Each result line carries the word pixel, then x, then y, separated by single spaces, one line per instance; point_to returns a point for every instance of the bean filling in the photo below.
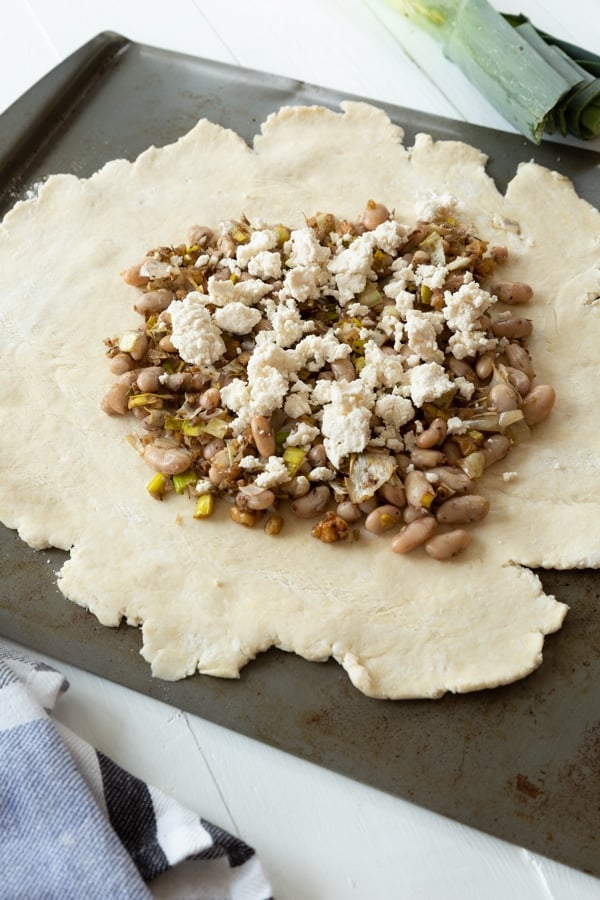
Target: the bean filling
pixel 356 374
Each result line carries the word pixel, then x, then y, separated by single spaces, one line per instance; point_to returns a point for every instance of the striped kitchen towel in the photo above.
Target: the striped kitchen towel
pixel 73 824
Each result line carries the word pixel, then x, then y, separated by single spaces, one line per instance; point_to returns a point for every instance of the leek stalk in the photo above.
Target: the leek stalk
pixel 535 81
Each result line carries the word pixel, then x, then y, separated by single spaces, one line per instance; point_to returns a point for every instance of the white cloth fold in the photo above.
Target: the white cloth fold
pixel 74 824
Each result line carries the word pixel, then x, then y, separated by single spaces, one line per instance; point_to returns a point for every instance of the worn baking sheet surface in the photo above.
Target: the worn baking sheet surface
pixel 521 762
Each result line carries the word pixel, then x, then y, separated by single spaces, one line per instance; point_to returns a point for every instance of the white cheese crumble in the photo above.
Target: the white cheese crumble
pixel 432 207
pixel 260 242
pixel 381 369
pixel 353 266
pixel 463 311
pixel 303 283
pixel 302 435
pixel 275 473
pixel 422 330
pixel 346 421
pixel 286 321
pixel 196 337
pixel 394 410
pixel 226 291
pixel 265 265
pixel 251 463
pixel 303 249
pixel 321 473
pixel 428 382
pixel 237 318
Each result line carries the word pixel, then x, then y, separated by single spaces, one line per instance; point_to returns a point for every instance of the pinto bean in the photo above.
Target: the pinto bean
pixel 263 435
pixel 512 292
pixel 538 404
pixel 152 302
pixel 313 503
pixel 374 215
pixel 419 491
pixel 115 399
pixel 434 435
pixel 121 363
pixel 515 327
pixel 383 518
pixel 414 534
pixel 495 448
pixel 460 510
pixel 502 397
pixel 148 379
pixel 168 460
pixel 450 543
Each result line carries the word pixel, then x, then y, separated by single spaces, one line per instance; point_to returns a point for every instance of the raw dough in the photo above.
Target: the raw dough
pixel 209 595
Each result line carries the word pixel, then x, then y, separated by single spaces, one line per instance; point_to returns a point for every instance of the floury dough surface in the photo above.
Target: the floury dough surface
pixel 210 595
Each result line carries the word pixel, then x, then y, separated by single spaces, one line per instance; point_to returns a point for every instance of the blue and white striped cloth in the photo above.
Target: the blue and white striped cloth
pixel 73 824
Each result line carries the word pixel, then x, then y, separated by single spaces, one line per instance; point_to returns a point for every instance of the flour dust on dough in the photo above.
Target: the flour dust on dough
pixel 208 595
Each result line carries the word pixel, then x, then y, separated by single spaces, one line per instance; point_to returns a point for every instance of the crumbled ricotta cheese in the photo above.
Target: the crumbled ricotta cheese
pixel 260 242
pixel 251 463
pixel 265 265
pixel 225 291
pixel 302 435
pixel 275 473
pixel 394 409
pixel 353 266
pixel 432 207
pixel 431 276
pixel 303 249
pixel 346 421
pixel 235 395
pixel 321 393
pixel 387 436
pixel 314 350
pixel 321 473
pixel 465 387
pixel 463 311
pixel 455 425
pixel 237 318
pixel 286 321
pixel 428 382
pixel 304 282
pixel 297 405
pixel 422 330
pixel 389 235
pixel 196 337
pixel 381 369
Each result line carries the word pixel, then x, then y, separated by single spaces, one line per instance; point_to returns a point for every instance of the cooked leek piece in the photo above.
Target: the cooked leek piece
pixel 536 82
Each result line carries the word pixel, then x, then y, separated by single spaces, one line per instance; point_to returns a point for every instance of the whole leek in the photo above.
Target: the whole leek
pixel 535 81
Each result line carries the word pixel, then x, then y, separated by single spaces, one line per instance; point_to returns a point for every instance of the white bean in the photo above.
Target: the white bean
pixel 538 404
pixel 461 510
pixel 445 546
pixel 168 460
pixel 414 534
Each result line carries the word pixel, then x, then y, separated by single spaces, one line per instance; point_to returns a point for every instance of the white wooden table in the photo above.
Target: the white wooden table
pixel 320 835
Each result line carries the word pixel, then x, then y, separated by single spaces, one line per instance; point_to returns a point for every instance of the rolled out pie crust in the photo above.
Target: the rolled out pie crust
pixel 208 595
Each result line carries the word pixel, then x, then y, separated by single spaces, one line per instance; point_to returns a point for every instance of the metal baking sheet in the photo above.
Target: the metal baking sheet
pixel 520 762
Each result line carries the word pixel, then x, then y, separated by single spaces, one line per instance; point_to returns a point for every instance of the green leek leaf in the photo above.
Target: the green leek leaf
pixel 538 83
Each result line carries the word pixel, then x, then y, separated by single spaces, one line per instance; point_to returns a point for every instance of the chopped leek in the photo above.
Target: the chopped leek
pixel 157 486
pixel 535 81
pixel 146 399
pixel 205 506
pixel 180 482
pixel 216 427
pixel 293 457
